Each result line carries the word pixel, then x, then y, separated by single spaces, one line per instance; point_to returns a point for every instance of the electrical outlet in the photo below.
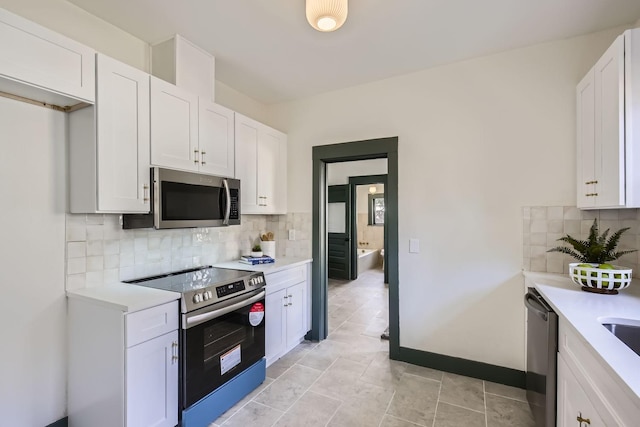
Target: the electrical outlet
pixel 414 246
pixel 292 234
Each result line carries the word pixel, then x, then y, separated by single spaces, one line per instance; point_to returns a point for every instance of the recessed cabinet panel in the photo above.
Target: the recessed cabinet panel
pixel 216 139
pixel 261 164
pixel 247 163
pixel 174 127
pixel 122 116
pixel 608 128
pixel 37 56
pixel 574 407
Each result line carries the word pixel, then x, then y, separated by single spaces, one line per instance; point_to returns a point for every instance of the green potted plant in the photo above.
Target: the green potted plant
pixel 256 250
pixel 593 272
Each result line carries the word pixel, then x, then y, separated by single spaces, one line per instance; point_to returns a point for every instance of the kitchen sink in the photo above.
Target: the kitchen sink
pixel 626 330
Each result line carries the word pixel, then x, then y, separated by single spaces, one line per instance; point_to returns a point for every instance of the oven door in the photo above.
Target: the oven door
pixel 219 342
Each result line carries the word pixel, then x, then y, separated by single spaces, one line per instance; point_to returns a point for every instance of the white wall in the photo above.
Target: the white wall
pixel 339 173
pixel 477 141
pixel 32 306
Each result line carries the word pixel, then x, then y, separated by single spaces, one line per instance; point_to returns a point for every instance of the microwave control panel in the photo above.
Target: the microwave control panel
pixel 234 205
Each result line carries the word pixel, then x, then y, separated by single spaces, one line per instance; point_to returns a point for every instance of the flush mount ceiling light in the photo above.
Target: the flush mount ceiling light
pixel 326 15
pixel 373 189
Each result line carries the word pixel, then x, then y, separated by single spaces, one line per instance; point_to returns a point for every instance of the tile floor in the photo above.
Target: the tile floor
pixel 348 380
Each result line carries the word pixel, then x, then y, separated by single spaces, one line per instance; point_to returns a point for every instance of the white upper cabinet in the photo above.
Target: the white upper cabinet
pixel 261 167
pixel 174 127
pixel 186 65
pixel 40 64
pixel 216 139
pixel 608 128
pixel 109 144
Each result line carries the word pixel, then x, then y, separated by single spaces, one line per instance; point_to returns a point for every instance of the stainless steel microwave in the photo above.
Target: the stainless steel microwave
pixel 186 199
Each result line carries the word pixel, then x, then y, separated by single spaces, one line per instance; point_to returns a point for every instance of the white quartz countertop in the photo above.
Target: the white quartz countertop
pixel 124 297
pixel 586 311
pixel 280 264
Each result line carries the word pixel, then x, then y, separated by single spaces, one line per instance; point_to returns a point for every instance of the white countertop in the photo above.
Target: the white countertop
pixel 585 310
pixel 280 264
pixel 124 297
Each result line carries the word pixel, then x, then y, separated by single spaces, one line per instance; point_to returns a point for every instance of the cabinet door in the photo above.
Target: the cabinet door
pixel 122 115
pixel 216 139
pixel 609 127
pixel 41 58
pixel 268 150
pixel 573 403
pixel 296 314
pixel 174 127
pixel 247 162
pixel 585 94
pixel 152 382
pixel 275 332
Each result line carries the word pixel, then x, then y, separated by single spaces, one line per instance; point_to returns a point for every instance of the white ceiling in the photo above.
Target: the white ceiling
pixel 267 50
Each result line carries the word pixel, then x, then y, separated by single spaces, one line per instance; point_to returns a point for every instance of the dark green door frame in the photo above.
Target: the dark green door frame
pixel 345 152
pixel 366 180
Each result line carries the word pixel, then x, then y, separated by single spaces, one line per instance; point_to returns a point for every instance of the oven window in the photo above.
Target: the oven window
pixel 190 202
pixel 216 351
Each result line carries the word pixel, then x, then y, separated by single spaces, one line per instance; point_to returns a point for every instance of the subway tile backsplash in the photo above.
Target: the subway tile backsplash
pixel 99 251
pixel 544 225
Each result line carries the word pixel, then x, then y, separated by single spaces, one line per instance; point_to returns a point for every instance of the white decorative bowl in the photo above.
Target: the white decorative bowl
pixel 600 280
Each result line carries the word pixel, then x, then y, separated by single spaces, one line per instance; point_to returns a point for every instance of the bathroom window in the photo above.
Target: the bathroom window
pixel 376 209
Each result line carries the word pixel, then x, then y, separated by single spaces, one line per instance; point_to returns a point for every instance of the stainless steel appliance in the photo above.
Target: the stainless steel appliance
pixel 222 338
pixel 186 200
pixel 542 349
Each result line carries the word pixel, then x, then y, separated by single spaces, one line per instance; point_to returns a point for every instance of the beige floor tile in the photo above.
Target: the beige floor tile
pixel 255 415
pixel 504 412
pixel 390 421
pixel 235 408
pixel 415 400
pixel 281 394
pixel 421 371
pixel 505 391
pixel 311 410
pixel 455 416
pixel 302 375
pixel 462 391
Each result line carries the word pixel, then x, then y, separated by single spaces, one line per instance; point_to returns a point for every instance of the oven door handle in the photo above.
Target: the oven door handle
pixel 196 319
pixel 227 211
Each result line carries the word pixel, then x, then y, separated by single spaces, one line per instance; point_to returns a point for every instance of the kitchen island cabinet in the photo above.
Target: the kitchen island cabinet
pixel 597 373
pixel 123 357
pixel 288 303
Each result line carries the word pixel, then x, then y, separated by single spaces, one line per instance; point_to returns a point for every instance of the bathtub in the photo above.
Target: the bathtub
pixel 368 259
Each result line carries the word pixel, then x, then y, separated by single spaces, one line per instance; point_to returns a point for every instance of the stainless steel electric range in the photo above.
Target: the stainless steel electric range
pixel 222 330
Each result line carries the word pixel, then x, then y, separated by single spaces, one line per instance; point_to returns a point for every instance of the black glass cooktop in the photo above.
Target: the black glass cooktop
pixel 192 279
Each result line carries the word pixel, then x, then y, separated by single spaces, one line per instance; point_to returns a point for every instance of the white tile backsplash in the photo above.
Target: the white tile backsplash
pixel 99 252
pixel 548 224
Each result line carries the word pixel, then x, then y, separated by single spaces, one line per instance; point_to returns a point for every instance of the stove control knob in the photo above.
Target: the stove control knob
pixel 252 282
pixel 197 298
pixel 210 294
pixel 205 296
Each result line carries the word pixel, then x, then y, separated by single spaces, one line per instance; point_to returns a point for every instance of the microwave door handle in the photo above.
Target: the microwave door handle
pixel 227 210
pixel 197 319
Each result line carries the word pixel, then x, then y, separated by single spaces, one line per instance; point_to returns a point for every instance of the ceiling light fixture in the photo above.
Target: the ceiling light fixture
pixel 373 189
pixel 326 15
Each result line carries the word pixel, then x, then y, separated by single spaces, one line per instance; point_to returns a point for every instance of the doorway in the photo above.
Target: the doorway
pixel 352 151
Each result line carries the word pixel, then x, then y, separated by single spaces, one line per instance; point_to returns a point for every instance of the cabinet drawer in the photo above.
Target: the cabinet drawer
pixel 611 401
pixel 284 278
pixel 39 57
pixel 150 323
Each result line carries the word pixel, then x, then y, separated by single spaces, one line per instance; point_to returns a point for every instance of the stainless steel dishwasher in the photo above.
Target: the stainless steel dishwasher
pixel 542 349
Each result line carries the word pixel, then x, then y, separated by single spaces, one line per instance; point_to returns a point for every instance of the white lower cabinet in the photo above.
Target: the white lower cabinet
pixel 287 312
pixel 123 367
pixel 574 407
pixel 588 393
pixel 151 367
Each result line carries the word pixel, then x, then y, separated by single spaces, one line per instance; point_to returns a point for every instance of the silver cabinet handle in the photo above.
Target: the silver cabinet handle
pixel 174 352
pixel 145 190
pixel 202 162
pixel 195 152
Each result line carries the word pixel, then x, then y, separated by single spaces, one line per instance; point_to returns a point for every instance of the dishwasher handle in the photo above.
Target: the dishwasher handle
pixel 533 303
